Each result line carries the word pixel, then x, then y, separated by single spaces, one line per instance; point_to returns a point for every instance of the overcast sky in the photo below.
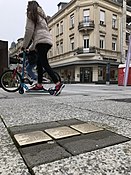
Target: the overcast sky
pixel 13 16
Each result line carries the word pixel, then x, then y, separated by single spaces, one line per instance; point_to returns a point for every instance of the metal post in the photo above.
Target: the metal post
pixel 108 73
pixel 127 62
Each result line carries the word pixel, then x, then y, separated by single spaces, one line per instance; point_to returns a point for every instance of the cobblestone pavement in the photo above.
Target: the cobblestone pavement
pixel 106 106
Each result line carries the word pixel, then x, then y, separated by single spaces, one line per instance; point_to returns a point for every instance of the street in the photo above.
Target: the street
pixel 105 106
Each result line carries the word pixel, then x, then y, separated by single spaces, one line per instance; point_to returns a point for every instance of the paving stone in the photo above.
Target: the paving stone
pixel 70 122
pixel 43 153
pixel 31 138
pixel 65 140
pixel 32 127
pixel 89 142
pixel 61 132
pixel 86 128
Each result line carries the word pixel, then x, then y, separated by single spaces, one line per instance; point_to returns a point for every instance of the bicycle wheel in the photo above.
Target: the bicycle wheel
pixel 47 78
pixel 10 81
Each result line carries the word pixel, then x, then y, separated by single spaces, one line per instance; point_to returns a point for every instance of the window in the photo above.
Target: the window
pixel 127 36
pixel 86 43
pixel 72 43
pixel 114 40
pixel 113 74
pixel 57 29
pixel 114 21
pixel 100 73
pixel 61 27
pixel 126 52
pixel 57 48
pixel 86 15
pixel 102 42
pixel 102 17
pixel 72 21
pixel 61 47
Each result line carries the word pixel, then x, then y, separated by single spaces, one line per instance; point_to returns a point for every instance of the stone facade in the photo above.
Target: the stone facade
pixel 3 56
pixel 90 39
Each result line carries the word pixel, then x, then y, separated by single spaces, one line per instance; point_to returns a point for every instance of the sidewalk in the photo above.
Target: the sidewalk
pixel 108 107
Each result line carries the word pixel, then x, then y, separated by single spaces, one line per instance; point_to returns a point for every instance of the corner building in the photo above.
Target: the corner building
pixel 89 39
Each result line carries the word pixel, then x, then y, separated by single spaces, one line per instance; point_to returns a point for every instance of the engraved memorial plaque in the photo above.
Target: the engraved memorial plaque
pixel 86 128
pixel 31 137
pixel 61 132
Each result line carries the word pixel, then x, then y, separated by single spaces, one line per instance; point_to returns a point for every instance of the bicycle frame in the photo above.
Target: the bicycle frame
pixel 23 85
pixel 14 80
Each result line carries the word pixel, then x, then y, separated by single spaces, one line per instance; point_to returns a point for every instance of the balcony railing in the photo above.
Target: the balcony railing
pixel 82 50
pixel 128 26
pixel 94 50
pixel 128 8
pixel 86 25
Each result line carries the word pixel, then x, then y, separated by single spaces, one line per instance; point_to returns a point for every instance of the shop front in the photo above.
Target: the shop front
pixel 107 73
pixel 86 74
pixel 89 73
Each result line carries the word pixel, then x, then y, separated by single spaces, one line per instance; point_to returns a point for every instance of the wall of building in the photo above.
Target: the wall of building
pixel 76 8
pixel 3 56
pixel 73 60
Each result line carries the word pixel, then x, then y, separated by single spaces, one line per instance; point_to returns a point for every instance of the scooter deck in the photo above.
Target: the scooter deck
pixel 43 91
pixel 37 91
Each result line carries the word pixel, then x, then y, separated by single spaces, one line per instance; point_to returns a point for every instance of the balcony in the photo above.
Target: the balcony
pixel 119 2
pixel 128 26
pixel 128 8
pixel 86 25
pixel 89 50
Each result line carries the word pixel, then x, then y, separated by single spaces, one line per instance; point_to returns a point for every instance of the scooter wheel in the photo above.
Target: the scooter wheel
pixel 51 91
pixel 21 90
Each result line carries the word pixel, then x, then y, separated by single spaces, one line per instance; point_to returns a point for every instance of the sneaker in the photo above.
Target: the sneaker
pixel 34 82
pixel 58 89
pixel 36 87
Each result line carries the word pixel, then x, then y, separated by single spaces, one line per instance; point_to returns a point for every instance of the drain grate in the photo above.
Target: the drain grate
pixel 51 141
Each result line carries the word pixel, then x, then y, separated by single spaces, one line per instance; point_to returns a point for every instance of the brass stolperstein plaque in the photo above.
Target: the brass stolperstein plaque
pixel 61 132
pixel 31 137
pixel 86 128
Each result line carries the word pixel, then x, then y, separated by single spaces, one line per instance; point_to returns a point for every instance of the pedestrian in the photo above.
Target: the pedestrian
pixel 37 31
pixel 68 77
pixel 31 64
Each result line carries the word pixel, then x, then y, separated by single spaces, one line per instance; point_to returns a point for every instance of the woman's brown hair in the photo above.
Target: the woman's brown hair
pixel 32 11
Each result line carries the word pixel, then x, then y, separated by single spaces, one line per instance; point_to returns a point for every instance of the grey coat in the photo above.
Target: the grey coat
pixel 38 34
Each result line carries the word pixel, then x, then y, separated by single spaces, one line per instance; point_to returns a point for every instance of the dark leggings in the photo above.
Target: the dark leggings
pixel 42 50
